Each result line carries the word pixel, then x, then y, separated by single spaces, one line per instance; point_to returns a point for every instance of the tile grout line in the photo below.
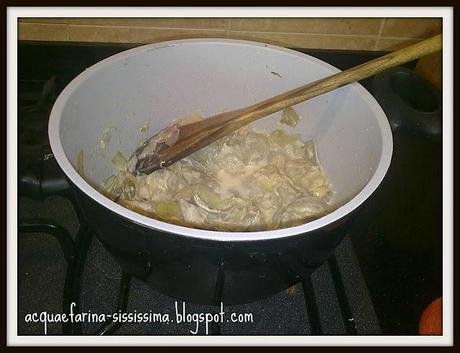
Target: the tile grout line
pixel 230 30
pixel 228 26
pixel 379 35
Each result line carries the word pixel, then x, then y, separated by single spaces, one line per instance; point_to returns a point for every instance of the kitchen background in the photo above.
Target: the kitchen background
pixel 400 252
pixel 369 34
pixel 312 33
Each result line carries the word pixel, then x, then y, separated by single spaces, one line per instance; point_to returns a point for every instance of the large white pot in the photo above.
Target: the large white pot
pixel 166 81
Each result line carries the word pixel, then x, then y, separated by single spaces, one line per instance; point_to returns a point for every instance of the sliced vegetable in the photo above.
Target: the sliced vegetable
pixel 168 209
pixel 191 212
pixel 289 117
pixel 106 136
pixel 80 166
pixel 119 161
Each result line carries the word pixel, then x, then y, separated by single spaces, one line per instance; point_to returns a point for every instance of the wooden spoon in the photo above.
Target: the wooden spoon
pixel 189 138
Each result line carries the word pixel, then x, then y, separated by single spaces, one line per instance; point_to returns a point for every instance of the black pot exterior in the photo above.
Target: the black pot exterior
pixel 207 271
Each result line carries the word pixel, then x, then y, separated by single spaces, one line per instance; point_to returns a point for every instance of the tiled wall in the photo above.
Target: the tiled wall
pixel 322 33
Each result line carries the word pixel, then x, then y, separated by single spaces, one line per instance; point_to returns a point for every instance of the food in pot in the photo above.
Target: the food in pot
pixel 245 181
pixel 289 117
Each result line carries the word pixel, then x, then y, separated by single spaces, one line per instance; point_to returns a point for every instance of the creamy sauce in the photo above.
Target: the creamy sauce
pixel 229 183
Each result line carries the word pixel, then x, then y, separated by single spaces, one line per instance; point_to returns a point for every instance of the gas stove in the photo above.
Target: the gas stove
pixel 382 275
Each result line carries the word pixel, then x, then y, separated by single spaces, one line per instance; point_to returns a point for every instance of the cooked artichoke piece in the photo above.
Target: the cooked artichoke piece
pixel 211 199
pixel 240 214
pixel 119 161
pixel 253 149
pixel 145 208
pixel 168 210
pixel 80 165
pixel 112 186
pixel 301 210
pixel 191 213
pixel 289 117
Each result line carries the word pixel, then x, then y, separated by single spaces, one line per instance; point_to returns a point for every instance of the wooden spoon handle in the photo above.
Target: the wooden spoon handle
pixel 340 79
pixel 330 83
pixel 209 130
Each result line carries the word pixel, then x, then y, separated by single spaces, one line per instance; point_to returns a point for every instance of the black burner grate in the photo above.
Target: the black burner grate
pixel 333 301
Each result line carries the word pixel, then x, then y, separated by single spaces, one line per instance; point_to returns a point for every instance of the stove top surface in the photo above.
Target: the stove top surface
pixel 327 308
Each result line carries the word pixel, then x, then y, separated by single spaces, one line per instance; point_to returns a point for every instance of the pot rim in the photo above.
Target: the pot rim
pixel 86 188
